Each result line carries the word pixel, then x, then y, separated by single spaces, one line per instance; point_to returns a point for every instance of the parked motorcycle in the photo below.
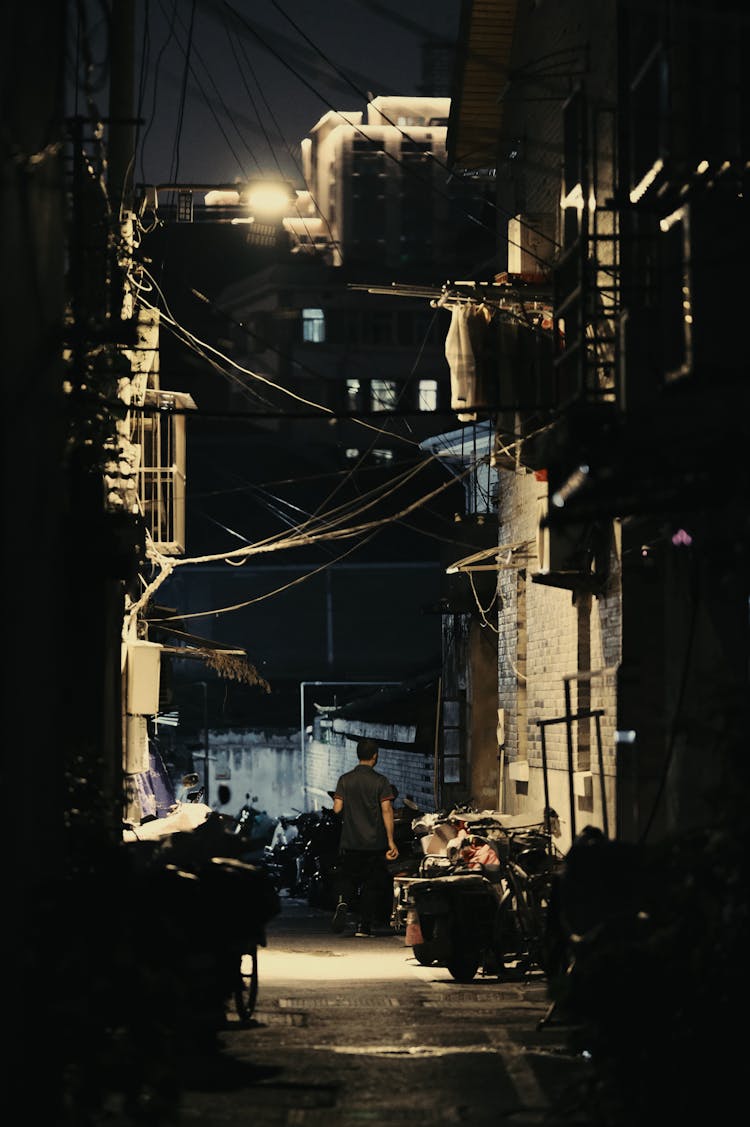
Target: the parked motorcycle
pixel 320 833
pixel 209 909
pixel 480 898
pixel 191 789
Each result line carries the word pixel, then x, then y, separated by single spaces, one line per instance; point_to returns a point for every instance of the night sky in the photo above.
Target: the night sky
pixel 261 73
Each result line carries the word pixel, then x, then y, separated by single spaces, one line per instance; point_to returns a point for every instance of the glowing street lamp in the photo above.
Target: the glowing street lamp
pixel 269 199
pixel 260 199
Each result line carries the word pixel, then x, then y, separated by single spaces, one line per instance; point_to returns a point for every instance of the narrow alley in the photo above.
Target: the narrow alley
pixel 349 1030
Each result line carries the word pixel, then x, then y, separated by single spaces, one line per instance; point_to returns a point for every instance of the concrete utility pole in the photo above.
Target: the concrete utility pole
pixel 121 146
pixel 119 179
pixel 121 150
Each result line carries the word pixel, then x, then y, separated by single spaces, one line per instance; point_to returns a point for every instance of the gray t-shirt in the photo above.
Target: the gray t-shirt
pixel 362 790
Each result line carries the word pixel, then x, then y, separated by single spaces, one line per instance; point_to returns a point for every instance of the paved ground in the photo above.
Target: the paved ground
pixel 354 1031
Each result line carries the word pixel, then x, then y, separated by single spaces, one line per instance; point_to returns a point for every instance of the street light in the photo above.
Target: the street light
pixel 266 198
pixel 269 199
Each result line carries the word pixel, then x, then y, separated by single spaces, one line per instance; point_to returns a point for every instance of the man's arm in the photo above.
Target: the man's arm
pixel 338 804
pixel 386 809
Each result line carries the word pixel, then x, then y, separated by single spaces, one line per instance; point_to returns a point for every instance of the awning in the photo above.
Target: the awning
pixel 501 557
pixel 193 642
pixel 463 446
pixel 481 77
pixel 230 662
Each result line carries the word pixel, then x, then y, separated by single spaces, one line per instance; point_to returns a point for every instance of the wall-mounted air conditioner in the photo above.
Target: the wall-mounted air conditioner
pixel 531 243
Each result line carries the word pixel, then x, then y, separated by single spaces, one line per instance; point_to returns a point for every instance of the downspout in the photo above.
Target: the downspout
pixel 501 758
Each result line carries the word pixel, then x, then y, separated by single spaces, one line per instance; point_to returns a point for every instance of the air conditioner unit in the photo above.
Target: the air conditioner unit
pixel 574 547
pixel 531 243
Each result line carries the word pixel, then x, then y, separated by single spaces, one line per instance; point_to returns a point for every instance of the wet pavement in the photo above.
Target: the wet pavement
pixel 351 1031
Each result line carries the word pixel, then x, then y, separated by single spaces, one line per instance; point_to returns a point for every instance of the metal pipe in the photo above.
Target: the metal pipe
pixel 569 738
pixel 605 817
pixel 545 779
pixel 436 789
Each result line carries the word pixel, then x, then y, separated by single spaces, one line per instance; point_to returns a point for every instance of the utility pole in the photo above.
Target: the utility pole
pixel 96 337
pixel 121 147
pixel 120 159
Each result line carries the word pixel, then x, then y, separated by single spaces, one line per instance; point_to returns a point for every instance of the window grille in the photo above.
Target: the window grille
pixel 159 434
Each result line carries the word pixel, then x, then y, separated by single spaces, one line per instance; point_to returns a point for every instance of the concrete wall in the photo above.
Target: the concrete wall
pixel 266 765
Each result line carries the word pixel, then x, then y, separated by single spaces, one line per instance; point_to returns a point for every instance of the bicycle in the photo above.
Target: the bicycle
pixel 245 994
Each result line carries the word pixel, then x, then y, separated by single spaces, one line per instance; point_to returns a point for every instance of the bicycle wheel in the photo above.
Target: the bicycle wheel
pixel 246 990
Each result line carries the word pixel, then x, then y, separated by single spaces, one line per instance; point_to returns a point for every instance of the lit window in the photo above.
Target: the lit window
pixel 382 457
pixel 427 395
pixel 352 452
pixel 352 394
pixel 383 395
pixel 313 325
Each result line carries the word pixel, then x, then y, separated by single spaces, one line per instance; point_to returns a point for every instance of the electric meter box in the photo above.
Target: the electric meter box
pixel 144 669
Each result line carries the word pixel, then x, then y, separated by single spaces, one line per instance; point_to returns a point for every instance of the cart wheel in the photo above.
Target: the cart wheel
pixel 246 991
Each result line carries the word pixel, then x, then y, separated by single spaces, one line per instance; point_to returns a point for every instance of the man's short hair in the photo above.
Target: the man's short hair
pixel 366 749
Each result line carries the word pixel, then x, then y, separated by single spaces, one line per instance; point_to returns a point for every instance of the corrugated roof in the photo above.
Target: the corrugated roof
pixel 482 62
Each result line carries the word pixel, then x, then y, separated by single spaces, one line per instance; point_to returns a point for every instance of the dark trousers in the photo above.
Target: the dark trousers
pixel 363 880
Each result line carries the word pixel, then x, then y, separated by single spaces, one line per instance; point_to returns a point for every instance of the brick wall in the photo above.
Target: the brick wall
pixel 328 758
pixel 559 633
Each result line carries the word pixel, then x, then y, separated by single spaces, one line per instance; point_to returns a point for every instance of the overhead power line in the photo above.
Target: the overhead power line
pixel 407 169
pixel 441 164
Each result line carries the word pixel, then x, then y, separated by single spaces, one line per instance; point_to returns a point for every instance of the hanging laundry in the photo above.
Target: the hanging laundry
pixel 468 358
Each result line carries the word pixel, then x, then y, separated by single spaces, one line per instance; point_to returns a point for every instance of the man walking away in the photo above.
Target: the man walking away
pixel 364 798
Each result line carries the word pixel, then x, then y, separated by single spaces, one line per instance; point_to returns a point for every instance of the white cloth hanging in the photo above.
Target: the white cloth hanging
pixel 465 343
